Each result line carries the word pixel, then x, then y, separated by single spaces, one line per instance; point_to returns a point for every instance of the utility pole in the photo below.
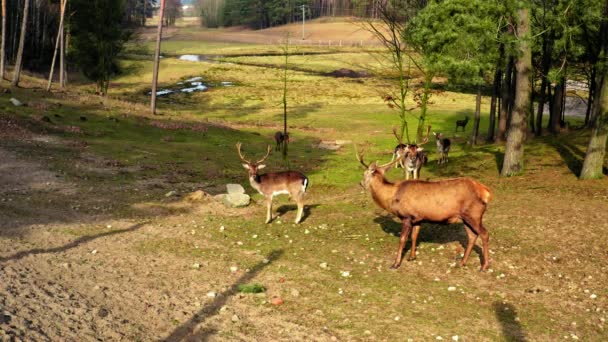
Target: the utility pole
pixel 303 19
pixel 159 35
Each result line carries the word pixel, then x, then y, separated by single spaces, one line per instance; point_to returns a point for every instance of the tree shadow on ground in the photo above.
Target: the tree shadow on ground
pixel 187 332
pixel 282 210
pixel 509 322
pixel 144 161
pixel 73 244
pixel 429 232
pixel 572 155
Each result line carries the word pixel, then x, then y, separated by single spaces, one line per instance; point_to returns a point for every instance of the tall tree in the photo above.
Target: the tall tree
pixel 97 39
pixel 514 152
pixel 19 62
pixel 60 32
pixel 3 42
pixel 458 39
pixel 159 35
pixel 393 17
pixel 596 149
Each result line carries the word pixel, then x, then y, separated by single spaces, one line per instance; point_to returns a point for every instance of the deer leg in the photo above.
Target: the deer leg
pixel 472 238
pixel 300 204
pixel 416 173
pixel 482 232
pixel 406 227
pixel 415 232
pixel 269 210
pixel 485 239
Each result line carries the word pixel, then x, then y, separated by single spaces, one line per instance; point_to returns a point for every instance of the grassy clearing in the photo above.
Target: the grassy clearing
pixel 546 227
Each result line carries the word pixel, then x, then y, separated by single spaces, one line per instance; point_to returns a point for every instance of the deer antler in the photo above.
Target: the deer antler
pixel 426 139
pixel 266 156
pixel 397 136
pixel 238 149
pixel 360 157
pixel 389 164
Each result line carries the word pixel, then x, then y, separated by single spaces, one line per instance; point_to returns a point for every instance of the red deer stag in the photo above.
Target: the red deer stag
pixel 418 201
pixel 411 156
pixel 270 184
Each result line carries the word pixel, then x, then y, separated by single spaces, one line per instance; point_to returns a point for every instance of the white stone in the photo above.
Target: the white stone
pixel 235 189
pixel 16 102
pixel 236 200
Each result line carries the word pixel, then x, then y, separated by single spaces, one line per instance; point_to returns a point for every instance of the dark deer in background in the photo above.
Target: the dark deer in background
pixel 270 184
pixel 443 148
pixel 410 156
pixel 280 138
pixel 417 201
pixel 462 123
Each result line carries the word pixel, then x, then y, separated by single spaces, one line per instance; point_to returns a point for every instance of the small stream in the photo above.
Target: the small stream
pixel 191 85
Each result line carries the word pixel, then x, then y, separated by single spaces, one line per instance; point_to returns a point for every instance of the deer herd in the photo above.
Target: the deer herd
pixel 412 201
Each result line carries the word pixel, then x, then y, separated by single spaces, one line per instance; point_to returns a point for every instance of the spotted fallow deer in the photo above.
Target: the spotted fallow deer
pixel 418 201
pixel 443 148
pixel 410 156
pixel 270 184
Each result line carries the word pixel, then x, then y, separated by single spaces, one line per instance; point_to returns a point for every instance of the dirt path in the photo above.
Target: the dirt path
pixel 72 277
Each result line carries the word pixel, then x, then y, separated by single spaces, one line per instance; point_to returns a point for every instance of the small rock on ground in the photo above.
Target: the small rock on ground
pixel 235 189
pixel 236 200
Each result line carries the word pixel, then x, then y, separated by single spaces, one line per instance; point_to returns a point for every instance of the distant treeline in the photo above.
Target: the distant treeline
pixel 259 14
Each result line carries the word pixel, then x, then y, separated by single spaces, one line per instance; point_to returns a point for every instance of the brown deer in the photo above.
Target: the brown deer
pixel 410 156
pixel 270 184
pixel 279 138
pixel 443 148
pixel 417 201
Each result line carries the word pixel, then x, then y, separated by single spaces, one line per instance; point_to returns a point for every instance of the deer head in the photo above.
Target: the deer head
pixel 373 169
pixel 252 167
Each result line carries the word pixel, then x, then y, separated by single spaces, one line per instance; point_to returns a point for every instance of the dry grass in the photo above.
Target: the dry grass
pixel 548 270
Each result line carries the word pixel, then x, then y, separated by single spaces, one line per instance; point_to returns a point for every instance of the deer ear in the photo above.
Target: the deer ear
pixel 246 166
pixel 261 166
pixel 418 149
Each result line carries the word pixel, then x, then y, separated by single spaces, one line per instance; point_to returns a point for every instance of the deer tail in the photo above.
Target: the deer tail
pixel 483 192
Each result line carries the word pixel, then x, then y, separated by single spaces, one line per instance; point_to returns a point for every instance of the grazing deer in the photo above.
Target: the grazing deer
pixel 279 138
pixel 443 148
pixel 410 156
pixel 462 123
pixel 444 201
pixel 270 184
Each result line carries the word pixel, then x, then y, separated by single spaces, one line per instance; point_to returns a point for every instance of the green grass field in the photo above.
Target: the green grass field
pixel 547 228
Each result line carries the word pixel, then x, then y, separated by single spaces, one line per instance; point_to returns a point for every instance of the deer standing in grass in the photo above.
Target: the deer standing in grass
pixel 280 138
pixel 443 148
pixel 410 156
pixel 417 201
pixel 462 123
pixel 270 184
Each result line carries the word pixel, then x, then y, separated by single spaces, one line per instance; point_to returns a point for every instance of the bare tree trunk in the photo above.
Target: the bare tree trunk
pixel 593 164
pixel 504 108
pixel 514 152
pixel 3 43
pixel 19 62
pixel 477 115
pixel 541 106
pixel 59 32
pixel 493 103
pixel 157 57
pixel 557 109
pixel 62 49
pixel 591 98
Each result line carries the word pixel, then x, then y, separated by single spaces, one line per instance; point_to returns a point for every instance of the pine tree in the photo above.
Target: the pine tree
pixel 98 38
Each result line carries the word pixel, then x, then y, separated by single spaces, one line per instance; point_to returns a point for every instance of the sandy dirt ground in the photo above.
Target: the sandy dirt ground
pixel 68 276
